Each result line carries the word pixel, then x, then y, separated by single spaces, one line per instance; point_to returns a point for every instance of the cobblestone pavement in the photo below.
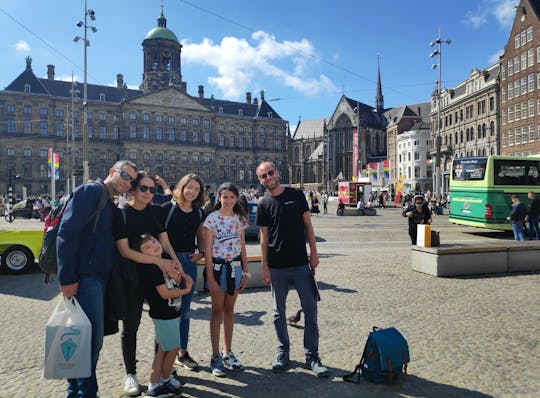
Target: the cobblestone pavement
pixel 468 337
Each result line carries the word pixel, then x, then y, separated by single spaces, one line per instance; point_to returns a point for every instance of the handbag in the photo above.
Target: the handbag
pixel 68 342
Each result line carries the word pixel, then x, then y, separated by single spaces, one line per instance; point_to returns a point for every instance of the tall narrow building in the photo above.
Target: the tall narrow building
pixel 379 99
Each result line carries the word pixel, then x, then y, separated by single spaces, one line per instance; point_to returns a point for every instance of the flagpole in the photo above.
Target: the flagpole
pixel 53 182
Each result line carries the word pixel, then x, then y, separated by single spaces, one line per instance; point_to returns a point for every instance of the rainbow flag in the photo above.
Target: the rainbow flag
pixel 386 166
pixel 53 161
pixel 373 170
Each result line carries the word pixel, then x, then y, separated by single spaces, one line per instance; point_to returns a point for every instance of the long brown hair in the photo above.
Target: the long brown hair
pixel 178 193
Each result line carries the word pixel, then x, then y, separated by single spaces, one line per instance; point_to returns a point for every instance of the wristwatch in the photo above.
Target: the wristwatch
pixel 247 274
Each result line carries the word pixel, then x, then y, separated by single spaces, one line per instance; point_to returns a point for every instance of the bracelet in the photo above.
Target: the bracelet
pixel 246 274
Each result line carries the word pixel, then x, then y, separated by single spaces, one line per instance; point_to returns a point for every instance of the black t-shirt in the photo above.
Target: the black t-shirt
pixel 283 215
pixel 182 227
pixel 137 222
pixel 151 276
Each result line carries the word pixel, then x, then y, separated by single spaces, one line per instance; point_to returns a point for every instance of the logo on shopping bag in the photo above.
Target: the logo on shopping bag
pixel 68 346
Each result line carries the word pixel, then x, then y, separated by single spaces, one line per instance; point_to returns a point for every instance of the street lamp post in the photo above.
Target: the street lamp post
pixel 92 15
pixel 438 86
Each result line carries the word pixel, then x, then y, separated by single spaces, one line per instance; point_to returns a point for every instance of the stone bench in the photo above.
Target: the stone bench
pixel 476 258
pixel 351 211
pixel 254 266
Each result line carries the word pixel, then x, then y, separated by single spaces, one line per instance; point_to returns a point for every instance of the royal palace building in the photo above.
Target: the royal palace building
pixel 160 127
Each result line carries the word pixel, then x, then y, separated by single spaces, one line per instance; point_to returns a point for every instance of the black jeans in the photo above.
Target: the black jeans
pixel 134 296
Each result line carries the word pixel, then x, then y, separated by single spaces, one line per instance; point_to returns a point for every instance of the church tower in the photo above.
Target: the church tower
pixel 162 62
pixel 379 99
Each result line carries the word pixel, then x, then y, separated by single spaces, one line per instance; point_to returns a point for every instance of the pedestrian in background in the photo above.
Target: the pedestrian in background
pixel 532 216
pixel 85 258
pixel 285 221
pixel 518 212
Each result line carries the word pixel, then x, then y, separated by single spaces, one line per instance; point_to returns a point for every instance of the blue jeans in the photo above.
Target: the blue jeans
pixel 302 279
pixel 90 296
pixel 534 231
pixel 518 231
pixel 190 268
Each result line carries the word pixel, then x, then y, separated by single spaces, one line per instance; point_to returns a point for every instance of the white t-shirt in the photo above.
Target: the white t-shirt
pixel 227 230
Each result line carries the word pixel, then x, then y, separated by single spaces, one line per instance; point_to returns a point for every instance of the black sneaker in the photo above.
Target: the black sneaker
pixel 314 363
pixel 281 362
pixel 187 362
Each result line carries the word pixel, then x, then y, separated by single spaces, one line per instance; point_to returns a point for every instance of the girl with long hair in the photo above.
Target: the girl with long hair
pixel 227 272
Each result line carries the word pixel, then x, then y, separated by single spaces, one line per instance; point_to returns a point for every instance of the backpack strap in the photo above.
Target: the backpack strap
pixel 171 211
pixel 124 216
pixel 102 203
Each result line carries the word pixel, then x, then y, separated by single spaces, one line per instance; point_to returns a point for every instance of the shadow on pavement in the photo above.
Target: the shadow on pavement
pixel 328 286
pixel 30 285
pixel 300 382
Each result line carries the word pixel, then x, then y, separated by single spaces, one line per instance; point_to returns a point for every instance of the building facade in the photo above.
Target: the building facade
pixel 306 155
pixel 400 120
pixel 520 83
pixel 160 127
pixel 469 120
pixel 413 158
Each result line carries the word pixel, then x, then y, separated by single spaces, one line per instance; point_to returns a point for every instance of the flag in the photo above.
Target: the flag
pixel 56 166
pixel 373 170
pixel 386 165
pixel 53 163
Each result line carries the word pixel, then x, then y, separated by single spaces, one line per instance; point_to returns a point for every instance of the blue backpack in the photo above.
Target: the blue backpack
pixel 384 359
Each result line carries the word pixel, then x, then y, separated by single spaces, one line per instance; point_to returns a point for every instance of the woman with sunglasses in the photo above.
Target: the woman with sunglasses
pixel 140 216
pixel 182 217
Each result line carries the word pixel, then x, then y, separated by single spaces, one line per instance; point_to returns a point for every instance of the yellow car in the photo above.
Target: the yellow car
pixel 19 250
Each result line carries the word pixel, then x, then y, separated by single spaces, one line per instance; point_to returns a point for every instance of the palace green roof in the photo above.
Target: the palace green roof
pixel 161 33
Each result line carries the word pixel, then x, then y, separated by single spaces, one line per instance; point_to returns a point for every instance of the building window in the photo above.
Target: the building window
pixel 27 89
pixel 516 63
pixel 90 131
pixel 27 126
pixel 43 128
pixel 510 90
pixel 220 110
pixel 531 133
pixel 44 112
pixel 146 117
pixel 159 134
pixel 172 134
pixel 116 133
pixel 11 126
pixel 517 112
pixel 221 140
pixel 27 152
pixel 27 110
pixel 529 34
pixel 517 41
pixel 146 133
pixel 159 118
pixel 102 117
pixel 231 141
pixel 159 157
pixel 132 116
pixel 146 156
pixel 183 136
pixel 523 60
pixel 60 129
pixel 510 67
pixel 195 122
pixel 530 57
pixel 171 119
pixel 10 152
pixel 206 123
pixel 102 132
pixel 132 131
pixel 102 97
pixel 207 137
pixel 195 137
pixel 59 113
pixel 10 108
pixel 183 121
pixel 503 140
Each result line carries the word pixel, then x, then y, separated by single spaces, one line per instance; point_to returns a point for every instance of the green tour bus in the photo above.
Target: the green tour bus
pixel 481 188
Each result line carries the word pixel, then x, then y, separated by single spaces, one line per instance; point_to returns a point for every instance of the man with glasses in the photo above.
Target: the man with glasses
pixel 417 213
pixel 86 251
pixel 285 224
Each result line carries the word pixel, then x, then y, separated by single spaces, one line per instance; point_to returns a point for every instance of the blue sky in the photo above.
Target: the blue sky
pixel 303 54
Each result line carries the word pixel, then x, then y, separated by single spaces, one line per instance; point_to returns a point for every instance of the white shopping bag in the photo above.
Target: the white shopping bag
pixel 68 342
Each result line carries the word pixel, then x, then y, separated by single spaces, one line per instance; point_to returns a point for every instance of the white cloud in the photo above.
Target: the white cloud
pixel 238 62
pixel 21 47
pixel 495 57
pixel 502 10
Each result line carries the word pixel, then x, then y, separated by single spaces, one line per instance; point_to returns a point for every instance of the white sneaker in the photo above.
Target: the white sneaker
pixel 175 382
pixel 131 386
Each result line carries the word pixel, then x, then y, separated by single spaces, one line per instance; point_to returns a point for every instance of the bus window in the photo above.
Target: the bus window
pixel 516 172
pixel 469 169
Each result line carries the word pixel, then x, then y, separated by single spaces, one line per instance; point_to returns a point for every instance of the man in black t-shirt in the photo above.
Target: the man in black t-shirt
pixel 285 223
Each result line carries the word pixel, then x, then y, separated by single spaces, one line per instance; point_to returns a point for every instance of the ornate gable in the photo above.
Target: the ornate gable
pixel 170 97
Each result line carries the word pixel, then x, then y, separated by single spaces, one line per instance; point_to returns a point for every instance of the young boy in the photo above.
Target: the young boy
pixel 161 293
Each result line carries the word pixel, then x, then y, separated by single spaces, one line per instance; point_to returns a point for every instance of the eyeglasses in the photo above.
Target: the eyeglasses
pixel 144 188
pixel 268 174
pixel 124 175
pixel 193 189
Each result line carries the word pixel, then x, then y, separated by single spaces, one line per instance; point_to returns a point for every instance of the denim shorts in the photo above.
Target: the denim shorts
pixel 223 275
pixel 167 333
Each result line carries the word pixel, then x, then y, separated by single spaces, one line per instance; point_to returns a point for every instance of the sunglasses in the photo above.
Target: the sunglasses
pixel 144 188
pixel 124 175
pixel 266 175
